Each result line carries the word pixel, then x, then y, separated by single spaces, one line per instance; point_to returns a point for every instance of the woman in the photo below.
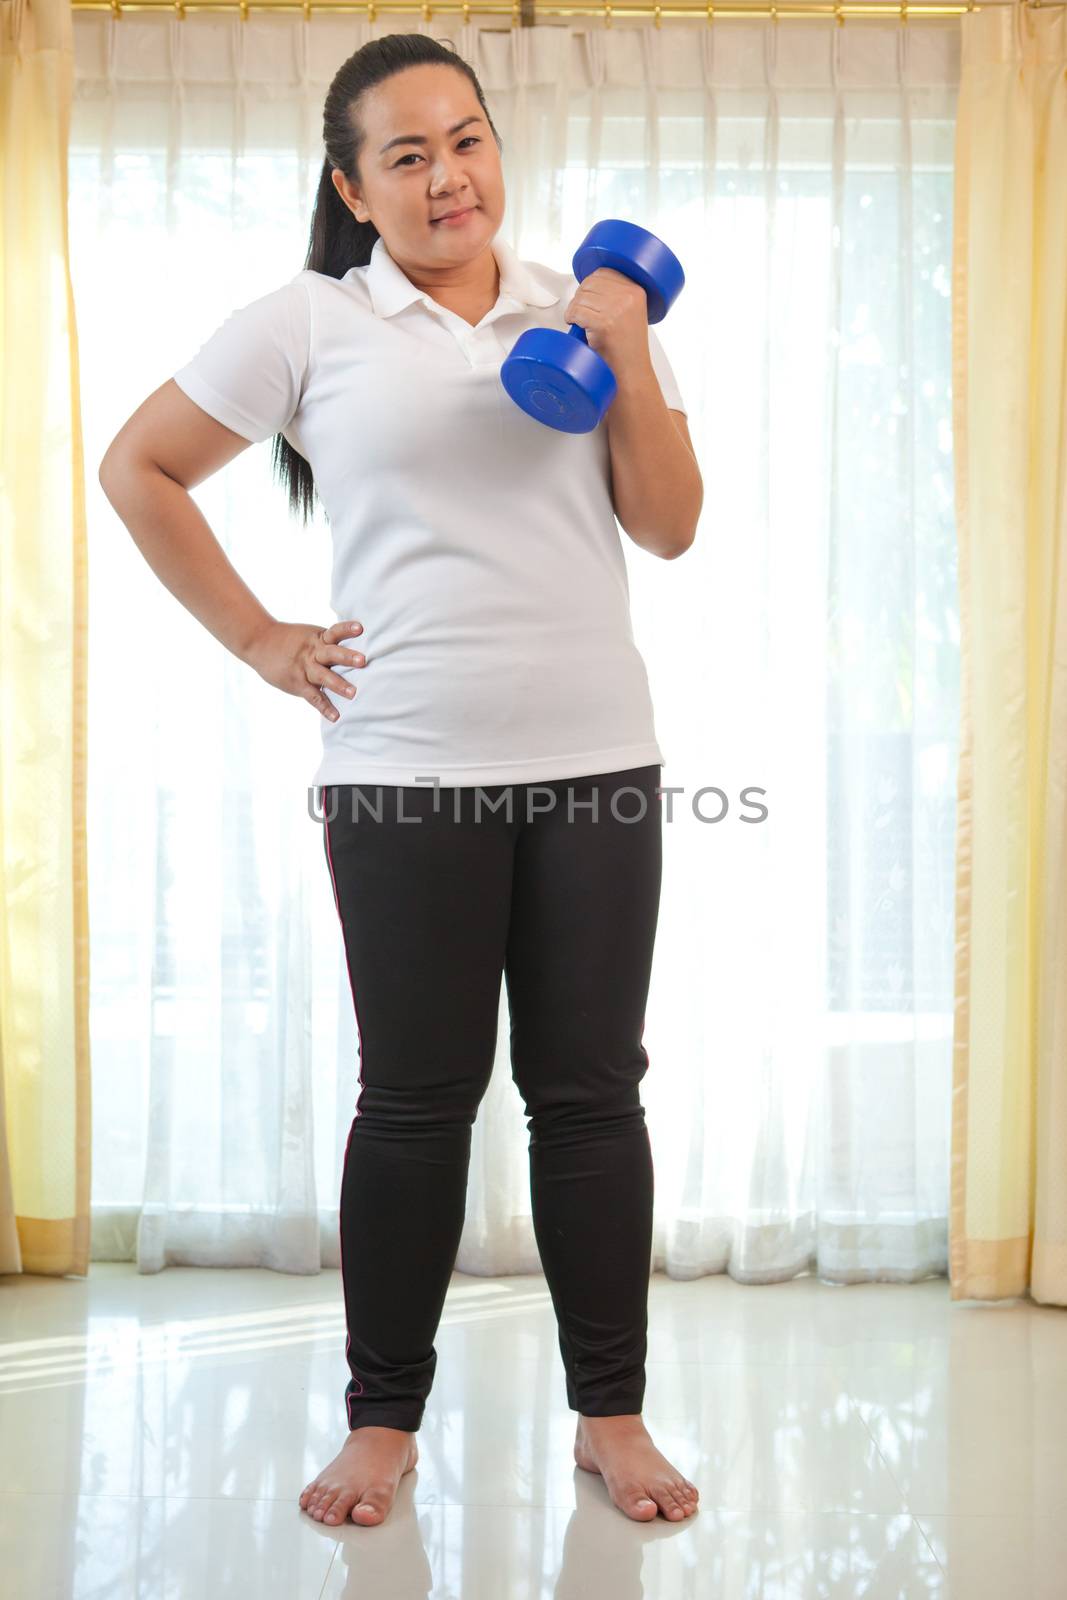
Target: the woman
pixel 490 768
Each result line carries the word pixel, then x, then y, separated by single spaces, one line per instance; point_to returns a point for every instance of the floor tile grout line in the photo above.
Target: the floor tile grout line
pixel 329 1569
pixel 925 1537
pixel 854 1408
pixel 770 1511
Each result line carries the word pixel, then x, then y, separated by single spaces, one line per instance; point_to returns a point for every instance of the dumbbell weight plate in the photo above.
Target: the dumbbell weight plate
pixel 637 254
pixel 558 380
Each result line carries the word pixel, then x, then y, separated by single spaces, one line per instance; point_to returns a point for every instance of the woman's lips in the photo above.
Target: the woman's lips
pixel 450 222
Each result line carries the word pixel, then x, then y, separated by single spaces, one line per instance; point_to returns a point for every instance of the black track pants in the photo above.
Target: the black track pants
pixel 436 904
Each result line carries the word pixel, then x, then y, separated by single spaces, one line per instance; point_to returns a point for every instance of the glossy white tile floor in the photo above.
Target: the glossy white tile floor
pixel 874 1441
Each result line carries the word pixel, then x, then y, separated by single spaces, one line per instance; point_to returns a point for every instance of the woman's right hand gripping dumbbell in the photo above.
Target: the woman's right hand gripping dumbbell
pixel 296 657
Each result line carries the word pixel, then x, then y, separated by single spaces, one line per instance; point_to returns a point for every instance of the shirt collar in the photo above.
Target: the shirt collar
pixel 391 289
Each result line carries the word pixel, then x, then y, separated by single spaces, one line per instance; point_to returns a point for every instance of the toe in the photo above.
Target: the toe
pixel 672 1506
pixel 639 1505
pixel 328 1506
pixel 372 1504
pixel 338 1512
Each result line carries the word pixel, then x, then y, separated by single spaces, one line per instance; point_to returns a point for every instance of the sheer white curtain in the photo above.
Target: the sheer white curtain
pixel 803 654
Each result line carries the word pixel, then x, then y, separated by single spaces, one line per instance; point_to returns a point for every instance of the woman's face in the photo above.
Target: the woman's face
pixel 405 182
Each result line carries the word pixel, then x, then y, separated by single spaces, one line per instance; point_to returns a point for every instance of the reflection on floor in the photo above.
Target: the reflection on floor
pixel 873 1440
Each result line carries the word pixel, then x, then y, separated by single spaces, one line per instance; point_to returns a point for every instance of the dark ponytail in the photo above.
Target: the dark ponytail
pixel 337 240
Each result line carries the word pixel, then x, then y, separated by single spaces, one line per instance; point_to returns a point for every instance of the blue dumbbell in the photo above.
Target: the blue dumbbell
pixel 554 376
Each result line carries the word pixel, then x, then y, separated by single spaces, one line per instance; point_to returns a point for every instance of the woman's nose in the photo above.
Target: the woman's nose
pixel 448 175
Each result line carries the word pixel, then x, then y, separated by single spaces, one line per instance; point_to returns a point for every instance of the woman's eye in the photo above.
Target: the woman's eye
pixel 471 138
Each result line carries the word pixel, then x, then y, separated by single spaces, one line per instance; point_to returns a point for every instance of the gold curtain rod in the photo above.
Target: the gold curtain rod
pixel 526 13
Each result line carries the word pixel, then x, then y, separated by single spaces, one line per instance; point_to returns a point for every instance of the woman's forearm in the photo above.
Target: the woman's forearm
pixel 656 483
pixel 175 539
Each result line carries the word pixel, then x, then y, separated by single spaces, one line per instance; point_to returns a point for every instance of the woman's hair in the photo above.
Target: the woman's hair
pixel 338 241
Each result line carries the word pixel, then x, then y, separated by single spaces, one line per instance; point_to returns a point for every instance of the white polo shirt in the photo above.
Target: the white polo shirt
pixel 477 546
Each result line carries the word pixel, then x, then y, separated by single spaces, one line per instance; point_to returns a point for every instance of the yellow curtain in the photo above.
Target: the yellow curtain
pixel 1008 1233
pixel 44 923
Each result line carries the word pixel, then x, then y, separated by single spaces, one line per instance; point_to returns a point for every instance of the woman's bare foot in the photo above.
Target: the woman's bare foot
pixel 363 1477
pixel 639 1479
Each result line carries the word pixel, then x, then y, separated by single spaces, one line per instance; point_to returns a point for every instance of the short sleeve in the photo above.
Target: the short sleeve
pixel 251 372
pixel 665 373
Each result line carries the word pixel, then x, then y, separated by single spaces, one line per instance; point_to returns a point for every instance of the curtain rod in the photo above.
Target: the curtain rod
pixel 526 13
